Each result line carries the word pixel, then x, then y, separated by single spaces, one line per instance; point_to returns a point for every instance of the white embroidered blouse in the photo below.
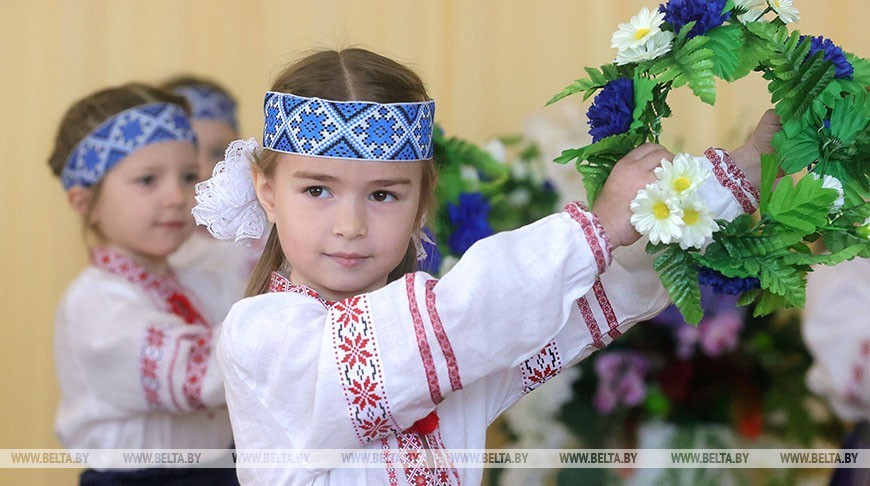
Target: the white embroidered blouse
pixel 135 358
pixel 518 308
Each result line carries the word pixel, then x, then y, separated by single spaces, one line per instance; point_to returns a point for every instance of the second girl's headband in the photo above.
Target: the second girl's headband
pixel 121 135
pixel 348 129
pixel 208 103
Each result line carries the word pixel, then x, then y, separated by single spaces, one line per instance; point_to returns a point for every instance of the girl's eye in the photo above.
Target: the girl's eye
pixel 383 196
pixel 145 180
pixel 190 177
pixel 318 191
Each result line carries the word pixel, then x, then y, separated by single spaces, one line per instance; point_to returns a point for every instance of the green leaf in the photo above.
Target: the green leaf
pixel 643 95
pixel 769 171
pixel 861 75
pixel 748 297
pixel 840 256
pixel 797 153
pixel 679 274
pixel 768 302
pixel 847 119
pixel 784 280
pixel 577 86
pixel 595 161
pixel 726 43
pixel 803 206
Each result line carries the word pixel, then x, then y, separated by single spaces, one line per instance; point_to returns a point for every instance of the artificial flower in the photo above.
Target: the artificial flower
pixel 642 27
pixel 699 225
pixel 470 218
pixel 754 10
pixel 831 182
pixel 657 215
pixel 834 54
pixel 785 10
pixel 725 285
pixel 707 14
pixel 656 46
pixel 682 176
pixel 612 109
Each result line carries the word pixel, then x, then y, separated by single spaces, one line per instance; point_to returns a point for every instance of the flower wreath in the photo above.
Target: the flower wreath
pixel 820 95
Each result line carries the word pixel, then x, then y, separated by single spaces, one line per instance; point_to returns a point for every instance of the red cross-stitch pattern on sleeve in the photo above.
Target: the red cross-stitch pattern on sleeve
pixel 360 368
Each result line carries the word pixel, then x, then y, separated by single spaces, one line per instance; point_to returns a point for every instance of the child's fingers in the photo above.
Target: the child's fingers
pixel 644 150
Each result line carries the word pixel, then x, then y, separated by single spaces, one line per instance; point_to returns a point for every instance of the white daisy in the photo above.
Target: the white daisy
pixel 682 176
pixel 698 224
pixel 657 45
pixel 831 182
pixel 785 9
pixel 643 26
pixel 656 215
pixel 754 10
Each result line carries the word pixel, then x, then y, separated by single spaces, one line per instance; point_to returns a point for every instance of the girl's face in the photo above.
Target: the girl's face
pixel 143 208
pixel 344 225
pixel 213 137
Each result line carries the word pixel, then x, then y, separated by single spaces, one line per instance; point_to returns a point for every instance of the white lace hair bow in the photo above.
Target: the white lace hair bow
pixel 226 204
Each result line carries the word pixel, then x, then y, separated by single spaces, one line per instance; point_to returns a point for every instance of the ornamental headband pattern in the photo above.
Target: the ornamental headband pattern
pixel 208 103
pixel 348 129
pixel 122 135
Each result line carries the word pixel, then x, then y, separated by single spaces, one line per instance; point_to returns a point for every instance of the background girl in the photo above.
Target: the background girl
pixel 133 338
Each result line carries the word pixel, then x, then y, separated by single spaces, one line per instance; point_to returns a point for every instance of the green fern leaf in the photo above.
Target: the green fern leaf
pixel 679 275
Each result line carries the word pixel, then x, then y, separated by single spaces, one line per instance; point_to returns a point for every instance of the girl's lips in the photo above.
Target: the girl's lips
pixel 347 259
pixel 172 224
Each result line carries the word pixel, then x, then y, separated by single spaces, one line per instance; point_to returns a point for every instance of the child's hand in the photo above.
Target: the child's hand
pixel 631 174
pixel 748 156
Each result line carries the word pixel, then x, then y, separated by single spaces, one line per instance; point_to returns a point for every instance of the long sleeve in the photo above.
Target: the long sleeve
pixel 119 355
pixel 628 292
pixel 365 367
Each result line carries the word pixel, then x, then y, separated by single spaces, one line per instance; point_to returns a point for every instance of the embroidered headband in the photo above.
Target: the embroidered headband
pixel 121 135
pixel 348 129
pixel 208 103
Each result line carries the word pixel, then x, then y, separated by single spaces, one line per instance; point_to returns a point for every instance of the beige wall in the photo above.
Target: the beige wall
pixel 489 64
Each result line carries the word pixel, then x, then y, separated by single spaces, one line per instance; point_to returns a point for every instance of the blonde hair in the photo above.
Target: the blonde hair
pixel 347 75
pixel 88 113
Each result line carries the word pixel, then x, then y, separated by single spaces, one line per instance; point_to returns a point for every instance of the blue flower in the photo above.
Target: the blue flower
pixel 833 53
pixel 611 111
pixel 707 14
pixel 725 285
pixel 470 220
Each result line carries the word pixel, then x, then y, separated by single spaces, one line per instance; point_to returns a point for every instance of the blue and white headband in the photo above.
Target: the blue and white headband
pixel 348 129
pixel 121 135
pixel 208 103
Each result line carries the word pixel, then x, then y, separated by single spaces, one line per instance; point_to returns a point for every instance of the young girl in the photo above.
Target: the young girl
pixel 134 340
pixel 342 345
pixel 214 121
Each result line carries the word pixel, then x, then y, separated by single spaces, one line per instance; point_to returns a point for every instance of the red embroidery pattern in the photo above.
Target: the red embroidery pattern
pixel 732 178
pixel 422 342
pixel 280 283
pixel 606 308
pixel 360 368
pixel 388 461
pixel 168 295
pixel 414 460
pixel 149 361
pixel 854 389
pixel 541 367
pixel 592 230
pixel 591 322
pixel 441 335
pixel 196 368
